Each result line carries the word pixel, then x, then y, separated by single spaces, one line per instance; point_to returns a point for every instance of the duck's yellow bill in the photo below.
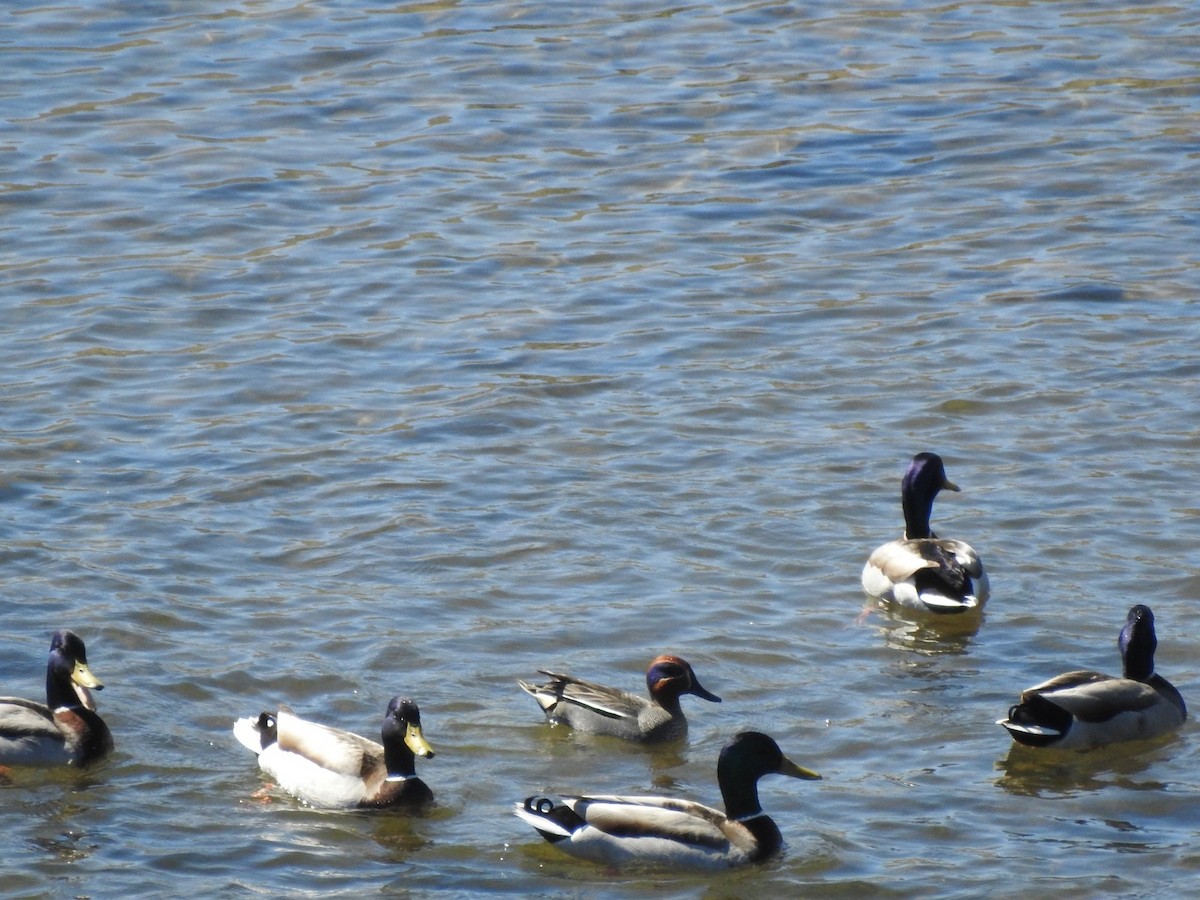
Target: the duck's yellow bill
pixel 416 741
pixel 792 770
pixel 83 677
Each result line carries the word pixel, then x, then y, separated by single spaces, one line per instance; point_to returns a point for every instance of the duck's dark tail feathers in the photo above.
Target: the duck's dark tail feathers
pixel 1037 722
pixel 553 821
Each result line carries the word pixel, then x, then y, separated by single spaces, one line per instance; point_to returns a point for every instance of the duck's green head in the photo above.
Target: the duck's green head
pixel 926 476
pixel 67 674
pixel 1138 643
pixel 752 754
pixel 403 721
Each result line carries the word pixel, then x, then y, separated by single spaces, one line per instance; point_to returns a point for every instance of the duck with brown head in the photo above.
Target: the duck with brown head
pixel 598 709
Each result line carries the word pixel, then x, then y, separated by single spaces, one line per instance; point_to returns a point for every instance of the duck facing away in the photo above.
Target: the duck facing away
pixel 597 709
pixel 922 571
pixel 64 731
pixel 334 769
pixel 1089 709
pixel 665 830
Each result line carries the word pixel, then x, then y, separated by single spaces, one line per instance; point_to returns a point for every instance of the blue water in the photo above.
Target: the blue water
pixel 356 350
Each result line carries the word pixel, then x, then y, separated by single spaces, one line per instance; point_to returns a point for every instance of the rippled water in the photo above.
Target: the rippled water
pixel 360 349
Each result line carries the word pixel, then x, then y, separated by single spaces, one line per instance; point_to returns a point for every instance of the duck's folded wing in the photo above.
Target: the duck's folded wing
pixel 20 717
pixel 1066 681
pixel 899 560
pixel 604 701
pixel 633 816
pixel 1094 697
pixel 330 748
pixel 964 555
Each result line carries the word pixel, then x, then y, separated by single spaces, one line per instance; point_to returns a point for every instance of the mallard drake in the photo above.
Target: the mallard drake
pixel 617 829
pixel 922 571
pixel 64 731
pixel 1087 709
pixel 597 709
pixel 329 768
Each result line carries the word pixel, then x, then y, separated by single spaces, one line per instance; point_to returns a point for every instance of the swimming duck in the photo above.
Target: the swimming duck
pixel 922 571
pixel 329 768
pixel 64 731
pixel 1087 709
pixel 596 709
pixel 624 829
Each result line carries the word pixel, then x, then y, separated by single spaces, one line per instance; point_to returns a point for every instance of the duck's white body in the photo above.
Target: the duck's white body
pixel 900 572
pixel 334 769
pixel 625 829
pixel 336 782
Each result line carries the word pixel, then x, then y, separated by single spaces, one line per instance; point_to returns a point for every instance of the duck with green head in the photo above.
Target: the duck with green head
pixel 616 829
pixel 334 769
pixel 1084 709
pixel 66 730
pixel 920 570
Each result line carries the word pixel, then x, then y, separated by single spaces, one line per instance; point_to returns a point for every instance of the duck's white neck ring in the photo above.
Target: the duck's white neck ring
pixel 750 817
pixel 399 777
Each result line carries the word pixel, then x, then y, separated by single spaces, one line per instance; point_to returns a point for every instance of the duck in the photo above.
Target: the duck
pixel 615 829
pixel 922 571
pixel 329 768
pixel 1084 709
pixel 597 709
pixel 66 730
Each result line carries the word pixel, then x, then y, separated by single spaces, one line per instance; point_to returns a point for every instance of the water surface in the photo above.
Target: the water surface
pixel 354 350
